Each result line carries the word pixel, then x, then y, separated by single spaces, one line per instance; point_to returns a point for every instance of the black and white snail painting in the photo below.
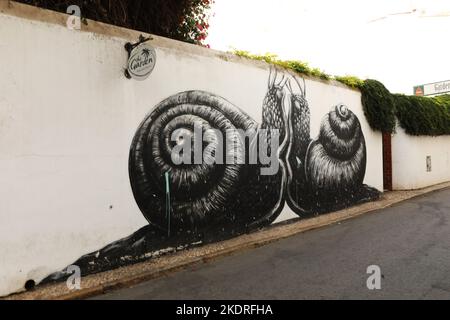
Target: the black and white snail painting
pixel 208 201
pixel 314 176
pixel 326 173
pixel 203 196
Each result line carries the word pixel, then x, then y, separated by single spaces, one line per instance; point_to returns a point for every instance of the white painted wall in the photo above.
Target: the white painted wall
pixel 409 166
pixel 67 119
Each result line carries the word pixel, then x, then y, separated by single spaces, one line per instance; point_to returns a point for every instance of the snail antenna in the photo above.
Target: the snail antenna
pixel 304 88
pixel 281 81
pixel 300 87
pixel 285 81
pixel 270 77
pixel 289 87
pixel 275 77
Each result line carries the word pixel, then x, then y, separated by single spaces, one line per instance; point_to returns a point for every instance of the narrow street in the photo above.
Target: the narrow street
pixel 410 242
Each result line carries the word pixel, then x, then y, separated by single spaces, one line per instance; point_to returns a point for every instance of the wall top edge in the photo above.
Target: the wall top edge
pixel 24 11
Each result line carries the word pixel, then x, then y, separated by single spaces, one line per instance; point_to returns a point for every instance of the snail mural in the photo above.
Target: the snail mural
pixel 315 175
pixel 326 173
pixel 211 201
pixel 208 196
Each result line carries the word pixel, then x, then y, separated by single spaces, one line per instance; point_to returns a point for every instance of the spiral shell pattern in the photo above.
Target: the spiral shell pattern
pixel 327 173
pixel 202 194
pixel 337 159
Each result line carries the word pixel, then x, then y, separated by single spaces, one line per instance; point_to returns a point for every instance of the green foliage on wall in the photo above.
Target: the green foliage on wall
pixel 351 81
pixel 294 65
pixel 417 115
pixel 422 115
pixel 443 101
pixel 378 105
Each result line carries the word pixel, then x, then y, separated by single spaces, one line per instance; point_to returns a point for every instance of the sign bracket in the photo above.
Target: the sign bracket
pixel 129 47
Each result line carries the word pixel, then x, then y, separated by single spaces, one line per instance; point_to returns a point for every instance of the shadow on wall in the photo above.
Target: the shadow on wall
pixel 192 204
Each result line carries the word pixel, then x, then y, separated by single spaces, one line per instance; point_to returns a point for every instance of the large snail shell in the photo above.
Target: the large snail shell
pixel 337 159
pixel 202 195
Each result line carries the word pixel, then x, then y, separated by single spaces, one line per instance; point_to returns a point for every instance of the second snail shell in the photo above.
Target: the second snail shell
pixel 337 158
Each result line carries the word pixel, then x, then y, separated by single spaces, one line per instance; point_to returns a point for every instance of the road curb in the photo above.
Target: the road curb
pixel 131 275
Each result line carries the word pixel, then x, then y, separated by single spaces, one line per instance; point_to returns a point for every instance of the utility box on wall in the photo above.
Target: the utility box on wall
pixel 419 161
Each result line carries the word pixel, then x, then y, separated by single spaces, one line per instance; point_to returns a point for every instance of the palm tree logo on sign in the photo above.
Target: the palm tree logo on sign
pixel 141 62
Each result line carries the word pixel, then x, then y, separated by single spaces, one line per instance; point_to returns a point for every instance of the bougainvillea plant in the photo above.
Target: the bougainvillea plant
pixel 194 24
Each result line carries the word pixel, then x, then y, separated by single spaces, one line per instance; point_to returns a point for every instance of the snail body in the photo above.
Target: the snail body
pixel 326 173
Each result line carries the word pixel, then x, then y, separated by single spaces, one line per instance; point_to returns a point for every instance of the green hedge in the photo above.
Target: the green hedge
pixel 378 105
pixel 422 115
pixel 351 81
pixel 416 115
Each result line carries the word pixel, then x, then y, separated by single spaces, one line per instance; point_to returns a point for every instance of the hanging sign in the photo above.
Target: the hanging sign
pixel 141 61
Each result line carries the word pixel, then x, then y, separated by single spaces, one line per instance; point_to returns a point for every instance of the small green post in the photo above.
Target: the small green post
pixel 168 203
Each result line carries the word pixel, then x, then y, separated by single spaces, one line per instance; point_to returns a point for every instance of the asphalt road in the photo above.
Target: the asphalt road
pixel 410 242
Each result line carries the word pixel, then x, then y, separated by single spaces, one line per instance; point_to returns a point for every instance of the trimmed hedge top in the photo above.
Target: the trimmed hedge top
pixel 416 115
pixel 423 116
pixel 378 105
